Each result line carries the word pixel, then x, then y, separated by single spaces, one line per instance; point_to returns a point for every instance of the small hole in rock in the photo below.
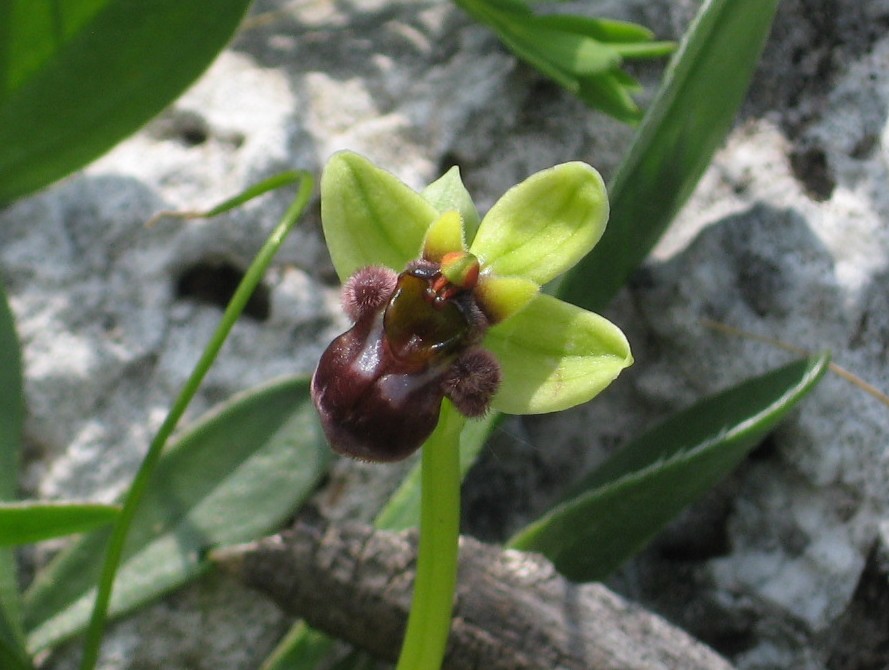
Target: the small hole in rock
pixel 214 283
pixel 186 127
pixel 193 135
pixel 811 169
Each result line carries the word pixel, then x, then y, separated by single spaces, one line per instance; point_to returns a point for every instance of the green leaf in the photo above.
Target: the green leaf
pixel 690 117
pixel 237 474
pixel 554 356
pixel 448 193
pixel 544 225
pixel 12 410
pixel 369 216
pixel 33 521
pixel 76 77
pixel 613 513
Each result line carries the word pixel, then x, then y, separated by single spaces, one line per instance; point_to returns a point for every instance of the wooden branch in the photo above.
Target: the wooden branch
pixel 513 610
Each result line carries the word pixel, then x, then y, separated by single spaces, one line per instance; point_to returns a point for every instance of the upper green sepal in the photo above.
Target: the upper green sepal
pixel 544 225
pixel 369 216
pixel 448 193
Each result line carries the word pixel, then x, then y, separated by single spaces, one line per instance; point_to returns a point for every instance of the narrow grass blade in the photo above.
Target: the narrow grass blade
pixel 621 506
pixel 234 476
pixel 33 521
pixel 690 117
pixel 12 410
pixel 78 76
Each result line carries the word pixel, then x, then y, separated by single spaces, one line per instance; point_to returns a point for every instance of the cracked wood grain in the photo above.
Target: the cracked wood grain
pixel 513 610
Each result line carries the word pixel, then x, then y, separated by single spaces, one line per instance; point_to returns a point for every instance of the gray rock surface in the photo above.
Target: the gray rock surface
pixel 787 237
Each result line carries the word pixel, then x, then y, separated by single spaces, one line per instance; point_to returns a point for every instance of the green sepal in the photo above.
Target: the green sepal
pixel 544 225
pixel 554 356
pixel 448 192
pixel 369 216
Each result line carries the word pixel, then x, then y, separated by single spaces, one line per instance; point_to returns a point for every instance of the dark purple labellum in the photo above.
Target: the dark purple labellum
pixel 378 387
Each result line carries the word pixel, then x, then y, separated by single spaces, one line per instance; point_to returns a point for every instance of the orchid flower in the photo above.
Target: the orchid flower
pixel 445 306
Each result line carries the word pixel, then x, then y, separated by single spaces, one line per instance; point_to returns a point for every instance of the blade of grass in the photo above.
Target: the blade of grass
pixel 690 117
pixel 12 410
pixel 78 76
pixel 615 511
pixel 33 521
pixel 137 490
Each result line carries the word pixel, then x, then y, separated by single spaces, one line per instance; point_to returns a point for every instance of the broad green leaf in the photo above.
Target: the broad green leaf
pixel 693 110
pixel 448 193
pixel 76 77
pixel 12 409
pixel 620 507
pixel 237 474
pixel 544 225
pixel 33 521
pixel 303 646
pixel 369 216
pixel 554 356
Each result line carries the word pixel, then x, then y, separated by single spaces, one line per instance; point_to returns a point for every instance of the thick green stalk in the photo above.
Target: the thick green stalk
pixel 430 618
pixel 137 489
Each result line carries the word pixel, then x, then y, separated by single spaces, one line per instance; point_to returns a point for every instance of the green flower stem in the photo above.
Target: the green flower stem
pixel 93 635
pixel 430 617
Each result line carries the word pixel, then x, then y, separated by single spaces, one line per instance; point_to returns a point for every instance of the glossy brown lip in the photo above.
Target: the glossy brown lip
pixel 378 387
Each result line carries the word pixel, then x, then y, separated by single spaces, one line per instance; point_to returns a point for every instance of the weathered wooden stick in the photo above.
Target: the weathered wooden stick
pixel 513 610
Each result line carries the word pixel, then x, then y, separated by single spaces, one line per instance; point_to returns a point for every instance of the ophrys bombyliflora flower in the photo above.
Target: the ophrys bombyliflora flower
pixel 446 307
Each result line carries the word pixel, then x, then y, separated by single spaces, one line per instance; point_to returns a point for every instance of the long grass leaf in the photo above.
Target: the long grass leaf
pixel 613 513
